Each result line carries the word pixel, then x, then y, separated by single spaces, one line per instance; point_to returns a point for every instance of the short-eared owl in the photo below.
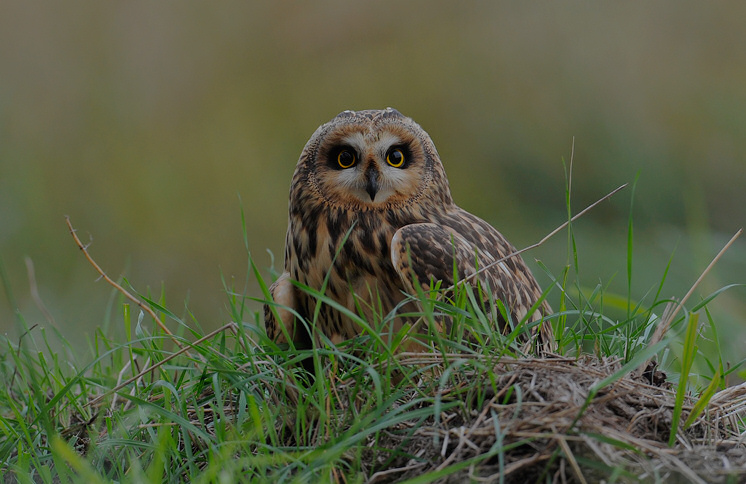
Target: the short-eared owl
pixel 373 183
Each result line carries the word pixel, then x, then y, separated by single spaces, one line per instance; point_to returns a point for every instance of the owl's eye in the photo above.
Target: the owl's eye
pixel 396 158
pixel 346 158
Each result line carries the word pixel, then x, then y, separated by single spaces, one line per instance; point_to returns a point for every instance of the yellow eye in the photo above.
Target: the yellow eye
pixel 346 158
pixel 395 158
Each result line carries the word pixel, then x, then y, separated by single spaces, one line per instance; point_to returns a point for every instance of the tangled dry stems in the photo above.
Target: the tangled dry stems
pixel 550 432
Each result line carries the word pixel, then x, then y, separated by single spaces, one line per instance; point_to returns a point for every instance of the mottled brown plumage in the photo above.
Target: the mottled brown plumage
pixel 377 175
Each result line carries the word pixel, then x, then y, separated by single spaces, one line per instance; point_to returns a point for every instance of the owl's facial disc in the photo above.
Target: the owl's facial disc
pixel 370 160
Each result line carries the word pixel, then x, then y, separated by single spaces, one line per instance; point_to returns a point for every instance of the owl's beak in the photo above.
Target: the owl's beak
pixel 372 186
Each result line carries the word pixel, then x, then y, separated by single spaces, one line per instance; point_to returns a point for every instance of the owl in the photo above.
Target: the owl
pixel 371 221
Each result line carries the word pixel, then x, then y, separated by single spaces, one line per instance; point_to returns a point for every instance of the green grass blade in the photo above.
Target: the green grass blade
pixel 703 400
pixel 687 358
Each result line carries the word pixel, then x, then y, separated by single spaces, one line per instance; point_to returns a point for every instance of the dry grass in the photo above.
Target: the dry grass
pixel 541 416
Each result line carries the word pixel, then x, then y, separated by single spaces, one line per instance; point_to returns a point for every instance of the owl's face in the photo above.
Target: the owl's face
pixel 370 160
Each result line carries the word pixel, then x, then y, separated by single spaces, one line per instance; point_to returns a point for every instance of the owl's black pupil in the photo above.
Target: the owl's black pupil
pixel 396 157
pixel 346 158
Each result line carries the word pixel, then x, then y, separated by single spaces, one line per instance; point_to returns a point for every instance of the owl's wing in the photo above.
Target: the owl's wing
pixel 429 252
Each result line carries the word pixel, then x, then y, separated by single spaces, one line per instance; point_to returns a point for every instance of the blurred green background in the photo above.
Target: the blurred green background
pixel 146 121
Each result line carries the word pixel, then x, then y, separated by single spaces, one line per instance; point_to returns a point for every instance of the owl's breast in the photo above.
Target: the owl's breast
pixel 348 255
pixel 353 248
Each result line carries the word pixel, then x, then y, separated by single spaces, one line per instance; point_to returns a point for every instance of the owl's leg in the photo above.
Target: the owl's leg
pixel 283 330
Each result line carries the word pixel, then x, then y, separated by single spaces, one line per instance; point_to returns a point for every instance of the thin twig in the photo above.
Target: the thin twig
pixel 547 237
pixel 571 458
pixel 119 288
pixel 411 465
pixel 455 453
pixel 669 315
pixel 156 365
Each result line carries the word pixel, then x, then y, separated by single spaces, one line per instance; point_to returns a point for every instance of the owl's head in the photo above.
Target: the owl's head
pixel 371 160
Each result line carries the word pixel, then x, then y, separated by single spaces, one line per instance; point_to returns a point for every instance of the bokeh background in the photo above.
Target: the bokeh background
pixel 153 124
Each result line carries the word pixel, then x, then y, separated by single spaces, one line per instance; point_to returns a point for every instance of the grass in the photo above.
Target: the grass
pixel 618 401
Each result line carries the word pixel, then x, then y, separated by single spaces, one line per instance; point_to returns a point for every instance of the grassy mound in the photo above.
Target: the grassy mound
pixel 234 412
